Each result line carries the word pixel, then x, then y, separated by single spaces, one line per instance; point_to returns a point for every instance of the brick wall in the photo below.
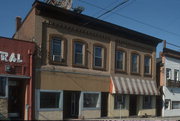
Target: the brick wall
pixel 4 107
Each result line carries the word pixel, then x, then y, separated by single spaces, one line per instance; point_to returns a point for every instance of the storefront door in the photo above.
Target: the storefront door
pixel 133 105
pixel 71 104
pixel 16 98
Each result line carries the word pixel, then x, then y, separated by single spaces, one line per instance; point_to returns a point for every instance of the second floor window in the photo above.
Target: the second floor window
pixel 168 73
pixel 176 75
pixel 147 65
pixel 56 49
pixel 120 60
pixel 135 63
pixel 98 56
pixel 79 53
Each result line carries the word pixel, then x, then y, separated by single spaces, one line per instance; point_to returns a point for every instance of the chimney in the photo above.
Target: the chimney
pixel 18 22
pixel 164 44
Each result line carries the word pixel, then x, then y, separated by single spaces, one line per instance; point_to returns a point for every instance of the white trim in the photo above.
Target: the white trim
pixel 50 109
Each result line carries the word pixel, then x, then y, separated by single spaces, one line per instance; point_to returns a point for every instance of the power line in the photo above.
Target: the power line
pixel 132 19
pixel 173 44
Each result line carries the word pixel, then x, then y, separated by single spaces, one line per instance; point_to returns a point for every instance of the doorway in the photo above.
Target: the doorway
pixel 71 104
pixel 104 104
pixel 133 105
pixel 16 98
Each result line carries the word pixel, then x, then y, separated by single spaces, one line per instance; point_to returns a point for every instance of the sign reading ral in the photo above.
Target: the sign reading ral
pixel 6 57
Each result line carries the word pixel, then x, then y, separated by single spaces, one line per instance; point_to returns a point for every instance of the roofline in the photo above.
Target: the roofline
pixel 16 40
pixel 171 53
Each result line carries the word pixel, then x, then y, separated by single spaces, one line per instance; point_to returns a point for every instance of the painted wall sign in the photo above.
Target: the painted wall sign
pixel 6 57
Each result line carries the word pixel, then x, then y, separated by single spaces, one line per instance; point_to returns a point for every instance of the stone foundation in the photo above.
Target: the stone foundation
pixel 4 107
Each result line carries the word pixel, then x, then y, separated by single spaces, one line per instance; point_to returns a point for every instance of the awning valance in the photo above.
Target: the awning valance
pixel 128 85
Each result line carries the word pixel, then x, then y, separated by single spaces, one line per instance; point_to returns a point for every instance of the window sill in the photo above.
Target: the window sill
pixel 121 71
pixel 85 108
pixel 57 63
pixel 148 75
pixel 79 66
pixel 99 68
pixel 137 74
pixel 50 109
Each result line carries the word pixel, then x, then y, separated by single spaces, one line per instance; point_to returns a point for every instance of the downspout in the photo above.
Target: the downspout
pixel 30 84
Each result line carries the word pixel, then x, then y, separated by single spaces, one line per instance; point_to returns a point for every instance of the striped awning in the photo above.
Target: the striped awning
pixel 126 85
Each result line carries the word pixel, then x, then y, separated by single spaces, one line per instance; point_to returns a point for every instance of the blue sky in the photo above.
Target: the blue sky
pixel 158 18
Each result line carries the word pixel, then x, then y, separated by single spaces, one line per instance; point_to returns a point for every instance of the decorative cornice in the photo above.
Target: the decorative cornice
pixel 77 29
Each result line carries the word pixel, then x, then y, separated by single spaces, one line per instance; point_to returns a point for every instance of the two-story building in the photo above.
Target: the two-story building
pixel 16 63
pixel 86 67
pixel 169 68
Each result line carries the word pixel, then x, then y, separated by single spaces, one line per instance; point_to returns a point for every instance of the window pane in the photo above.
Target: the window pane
pixel 168 73
pixel 2 86
pixel 78 53
pixel 90 100
pixel 49 99
pixel 98 56
pixel 119 100
pixel 147 65
pixel 175 104
pixel 135 63
pixel 120 60
pixel 98 52
pixel 176 75
pixel 147 102
pixel 56 47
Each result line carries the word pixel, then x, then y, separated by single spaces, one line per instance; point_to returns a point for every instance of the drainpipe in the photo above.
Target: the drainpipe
pixel 30 85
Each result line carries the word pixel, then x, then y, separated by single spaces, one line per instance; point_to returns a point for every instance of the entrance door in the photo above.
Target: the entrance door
pixel 104 104
pixel 71 104
pixel 133 105
pixel 16 99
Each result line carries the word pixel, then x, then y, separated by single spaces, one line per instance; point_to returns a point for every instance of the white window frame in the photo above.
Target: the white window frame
pixel 177 76
pixel 60 108
pixel 170 73
pixel 169 104
pixel 98 102
pixel 123 60
pixel 102 57
pixel 6 88
pixel 61 49
pixel 83 53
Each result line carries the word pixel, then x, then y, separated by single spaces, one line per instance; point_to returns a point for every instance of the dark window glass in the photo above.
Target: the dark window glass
pixel 49 99
pixel 168 73
pixel 90 100
pixel 135 63
pixel 147 64
pixel 176 75
pixel 120 60
pixel 119 100
pixel 147 102
pixel 78 53
pixel 2 87
pixel 56 47
pixel 175 104
pixel 98 56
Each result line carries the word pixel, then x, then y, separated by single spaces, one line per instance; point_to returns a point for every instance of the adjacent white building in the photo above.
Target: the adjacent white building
pixel 170 82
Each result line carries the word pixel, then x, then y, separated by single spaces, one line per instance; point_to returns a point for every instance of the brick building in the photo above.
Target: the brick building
pixel 16 78
pixel 78 54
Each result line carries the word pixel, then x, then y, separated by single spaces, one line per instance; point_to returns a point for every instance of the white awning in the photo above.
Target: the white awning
pixel 126 85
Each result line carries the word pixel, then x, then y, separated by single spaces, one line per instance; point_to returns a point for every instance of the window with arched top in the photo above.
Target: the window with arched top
pixel 79 53
pixel 99 57
pixel 135 63
pixel 57 51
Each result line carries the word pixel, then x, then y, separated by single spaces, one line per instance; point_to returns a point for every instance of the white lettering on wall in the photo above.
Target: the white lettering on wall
pixel 6 57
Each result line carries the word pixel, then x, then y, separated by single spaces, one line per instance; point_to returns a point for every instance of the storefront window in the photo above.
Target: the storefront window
pixel 147 102
pixel 91 100
pixel 2 87
pixel 119 100
pixel 175 104
pixel 50 99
